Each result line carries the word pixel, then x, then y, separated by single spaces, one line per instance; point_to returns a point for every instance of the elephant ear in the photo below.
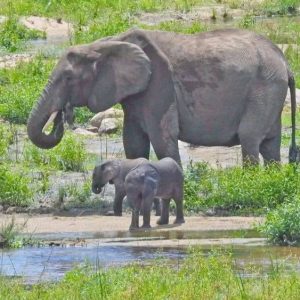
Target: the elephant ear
pixel 123 69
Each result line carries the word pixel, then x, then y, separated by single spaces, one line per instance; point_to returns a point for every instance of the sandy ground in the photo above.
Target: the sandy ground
pixel 45 224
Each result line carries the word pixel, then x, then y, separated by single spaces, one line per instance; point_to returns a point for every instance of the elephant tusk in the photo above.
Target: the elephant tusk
pixel 52 117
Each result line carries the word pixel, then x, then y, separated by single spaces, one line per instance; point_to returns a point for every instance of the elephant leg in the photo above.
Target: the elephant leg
pixel 179 211
pixel 270 146
pixel 250 141
pixel 134 219
pixel 163 132
pixel 264 105
pixel 147 203
pixel 164 219
pixel 135 140
pixel 157 206
pixel 118 201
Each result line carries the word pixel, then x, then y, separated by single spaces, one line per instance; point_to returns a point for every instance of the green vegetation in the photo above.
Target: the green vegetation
pixel 6 137
pixel 69 155
pixel 240 190
pixel 197 277
pixel 282 225
pixel 14 186
pixel 13 35
pixel 10 235
pixel 280 7
pixel 21 86
pixel 236 190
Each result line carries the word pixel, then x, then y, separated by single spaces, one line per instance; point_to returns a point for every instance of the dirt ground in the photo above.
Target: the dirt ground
pixel 50 224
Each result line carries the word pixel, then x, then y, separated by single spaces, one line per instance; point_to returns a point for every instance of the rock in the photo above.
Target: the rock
pixel 82 131
pixel 210 212
pixel 1 209
pixel 110 113
pixel 108 126
pixel 92 129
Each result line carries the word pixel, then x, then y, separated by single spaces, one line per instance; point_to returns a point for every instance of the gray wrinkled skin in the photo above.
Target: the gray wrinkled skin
pixel 218 88
pixel 163 179
pixel 114 172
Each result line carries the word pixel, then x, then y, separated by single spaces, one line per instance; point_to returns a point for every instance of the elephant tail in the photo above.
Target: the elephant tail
pixel 293 151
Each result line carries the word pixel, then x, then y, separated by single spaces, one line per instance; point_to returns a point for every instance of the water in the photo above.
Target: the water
pixel 40 264
pixel 51 263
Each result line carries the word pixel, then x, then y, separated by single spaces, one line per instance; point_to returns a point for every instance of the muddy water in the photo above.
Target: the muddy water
pixel 50 263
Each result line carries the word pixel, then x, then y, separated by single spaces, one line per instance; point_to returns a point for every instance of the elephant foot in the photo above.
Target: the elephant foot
pixel 162 222
pixel 118 214
pixel 179 221
pixel 146 226
pixel 133 228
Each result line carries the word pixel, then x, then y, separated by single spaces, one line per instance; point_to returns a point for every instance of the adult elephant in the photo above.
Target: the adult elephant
pixel 218 88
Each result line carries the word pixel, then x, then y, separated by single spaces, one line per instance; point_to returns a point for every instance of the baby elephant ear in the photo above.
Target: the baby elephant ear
pixel 124 71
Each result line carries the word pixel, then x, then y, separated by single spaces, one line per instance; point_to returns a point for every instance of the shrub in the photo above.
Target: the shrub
pixel 14 187
pixel 282 226
pixel 68 155
pixel 254 189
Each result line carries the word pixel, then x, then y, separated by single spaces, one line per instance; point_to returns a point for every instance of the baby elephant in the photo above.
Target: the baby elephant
pixel 114 172
pixel 163 179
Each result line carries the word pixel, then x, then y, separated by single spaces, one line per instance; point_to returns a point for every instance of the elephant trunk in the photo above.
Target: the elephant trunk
pixel 40 118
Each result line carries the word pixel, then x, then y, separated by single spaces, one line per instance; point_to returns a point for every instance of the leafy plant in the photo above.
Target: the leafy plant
pixel 69 155
pixel 282 225
pixel 14 187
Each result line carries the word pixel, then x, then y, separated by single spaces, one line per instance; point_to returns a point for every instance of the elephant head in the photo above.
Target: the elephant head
pixel 104 173
pixel 96 75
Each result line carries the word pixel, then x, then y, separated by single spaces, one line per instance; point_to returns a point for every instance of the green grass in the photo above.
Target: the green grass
pixel 282 225
pixel 240 190
pixel 6 139
pixel 197 277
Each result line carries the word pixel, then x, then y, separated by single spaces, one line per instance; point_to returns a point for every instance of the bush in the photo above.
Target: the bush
pixel 21 86
pixel 14 187
pixel 254 189
pixel 282 226
pixel 68 155
pixel 13 35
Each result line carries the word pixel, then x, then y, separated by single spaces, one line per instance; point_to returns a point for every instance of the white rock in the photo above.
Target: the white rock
pixel 92 129
pixel 82 131
pixel 109 125
pixel 110 113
